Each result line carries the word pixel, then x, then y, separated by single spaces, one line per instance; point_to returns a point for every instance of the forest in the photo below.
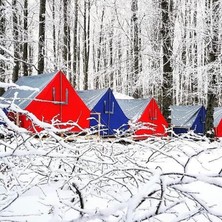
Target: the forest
pixel 166 49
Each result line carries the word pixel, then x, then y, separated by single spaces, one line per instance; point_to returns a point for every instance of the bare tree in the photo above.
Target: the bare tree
pixel 16 42
pixel 2 42
pixel 86 41
pixel 99 50
pixel 135 49
pixel 166 7
pixel 25 39
pixel 66 37
pixel 54 34
pixel 213 52
pixel 41 49
pixel 111 56
pixel 75 44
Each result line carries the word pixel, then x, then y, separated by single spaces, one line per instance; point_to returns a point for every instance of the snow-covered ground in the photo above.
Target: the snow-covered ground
pixel 158 179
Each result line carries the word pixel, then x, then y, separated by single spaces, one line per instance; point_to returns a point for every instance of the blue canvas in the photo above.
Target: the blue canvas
pixel 185 118
pixel 199 122
pixel 106 114
pixel 2 122
pixel 179 130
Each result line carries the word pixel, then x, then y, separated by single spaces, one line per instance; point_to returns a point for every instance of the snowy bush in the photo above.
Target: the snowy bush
pixel 52 179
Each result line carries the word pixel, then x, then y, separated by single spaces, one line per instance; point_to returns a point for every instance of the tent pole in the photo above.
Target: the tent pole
pixel 99 122
pixel 17 119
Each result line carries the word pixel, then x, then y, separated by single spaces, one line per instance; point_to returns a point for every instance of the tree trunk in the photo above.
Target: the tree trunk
pixel 42 11
pixel 25 45
pixel 166 7
pixel 86 30
pixel 16 44
pixel 54 35
pixel 66 37
pixel 99 50
pixel 111 34
pixel 211 99
pixel 213 51
pixel 2 34
pixel 75 44
pixel 135 49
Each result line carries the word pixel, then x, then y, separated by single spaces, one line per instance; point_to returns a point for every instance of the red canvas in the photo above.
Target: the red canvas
pixel 58 103
pixel 152 121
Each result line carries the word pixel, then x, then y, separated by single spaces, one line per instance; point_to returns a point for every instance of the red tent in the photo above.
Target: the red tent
pixel 218 121
pixel 145 115
pixel 55 102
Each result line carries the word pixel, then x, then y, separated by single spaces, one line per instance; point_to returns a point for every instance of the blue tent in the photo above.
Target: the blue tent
pixel 185 118
pixel 2 122
pixel 106 114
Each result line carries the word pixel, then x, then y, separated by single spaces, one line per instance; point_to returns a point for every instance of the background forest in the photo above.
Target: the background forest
pixel 168 49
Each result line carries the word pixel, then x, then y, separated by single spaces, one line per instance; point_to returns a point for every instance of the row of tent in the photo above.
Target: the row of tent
pixel 56 101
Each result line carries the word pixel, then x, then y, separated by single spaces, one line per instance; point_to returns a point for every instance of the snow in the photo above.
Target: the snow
pixel 116 181
pixel 13 85
pixel 121 96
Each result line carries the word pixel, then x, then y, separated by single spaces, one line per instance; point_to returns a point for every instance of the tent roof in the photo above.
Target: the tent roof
pixel 184 116
pixel 133 108
pixel 91 97
pixel 26 96
pixel 217 115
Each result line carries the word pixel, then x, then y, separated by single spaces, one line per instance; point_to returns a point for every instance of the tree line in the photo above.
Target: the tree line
pixel 167 49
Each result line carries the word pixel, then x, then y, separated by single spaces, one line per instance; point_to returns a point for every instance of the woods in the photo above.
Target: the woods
pixel 167 49
pixel 65 159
